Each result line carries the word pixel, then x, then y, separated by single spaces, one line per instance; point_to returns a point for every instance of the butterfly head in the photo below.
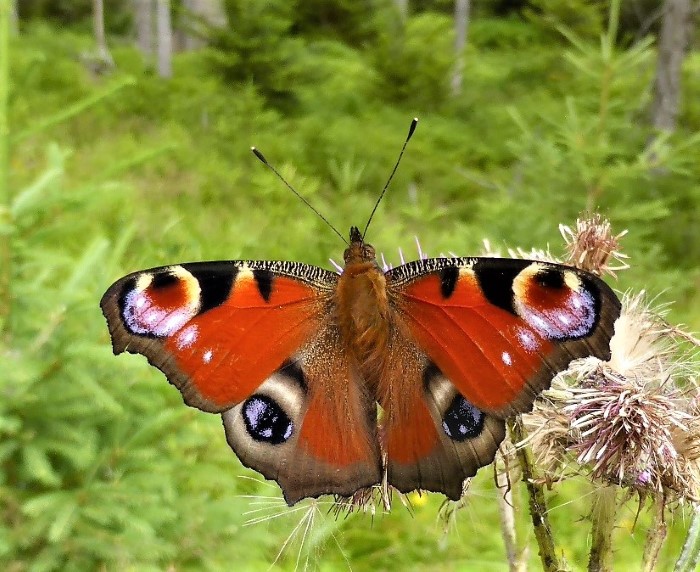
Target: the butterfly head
pixel 358 251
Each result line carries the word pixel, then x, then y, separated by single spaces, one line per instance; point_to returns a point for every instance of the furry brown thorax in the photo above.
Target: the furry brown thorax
pixel 362 308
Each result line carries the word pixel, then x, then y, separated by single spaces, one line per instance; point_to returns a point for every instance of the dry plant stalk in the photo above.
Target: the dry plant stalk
pixel 536 499
pixel 505 474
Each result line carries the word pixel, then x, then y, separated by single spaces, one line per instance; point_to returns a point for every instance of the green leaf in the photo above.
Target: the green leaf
pixel 63 522
pixel 29 199
pixel 46 503
pixel 38 466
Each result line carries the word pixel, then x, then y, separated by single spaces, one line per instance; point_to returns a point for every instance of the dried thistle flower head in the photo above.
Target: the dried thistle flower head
pixel 592 246
pixel 625 430
pixel 632 421
pixel 370 500
pixel 364 500
pixel 549 431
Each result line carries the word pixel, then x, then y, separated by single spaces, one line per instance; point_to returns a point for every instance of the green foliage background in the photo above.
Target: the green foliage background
pixel 101 467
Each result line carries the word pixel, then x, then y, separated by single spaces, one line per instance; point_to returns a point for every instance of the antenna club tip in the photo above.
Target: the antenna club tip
pixel 258 154
pixel 411 129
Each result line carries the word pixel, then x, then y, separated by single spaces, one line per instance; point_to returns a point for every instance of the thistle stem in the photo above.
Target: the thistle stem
pixel 536 500
pixel 690 554
pixel 603 521
pixel 655 535
pixel 517 557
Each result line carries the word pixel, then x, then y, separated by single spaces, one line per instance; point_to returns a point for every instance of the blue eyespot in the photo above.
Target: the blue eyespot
pixel 462 420
pixel 266 421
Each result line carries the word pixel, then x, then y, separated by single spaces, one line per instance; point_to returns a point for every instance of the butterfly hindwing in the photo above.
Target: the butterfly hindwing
pixel 433 437
pixel 310 426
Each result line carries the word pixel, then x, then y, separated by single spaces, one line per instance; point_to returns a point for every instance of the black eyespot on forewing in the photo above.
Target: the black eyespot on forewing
pixel 294 371
pixel 462 420
pixel 127 287
pixel 448 280
pixel 263 278
pixel 215 285
pixel 265 420
pixel 163 280
pixel 496 280
pixel 550 278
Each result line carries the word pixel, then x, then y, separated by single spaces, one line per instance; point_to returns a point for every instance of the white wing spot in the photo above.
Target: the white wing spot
pixel 527 340
pixel 187 337
pixel 206 358
pixel 505 356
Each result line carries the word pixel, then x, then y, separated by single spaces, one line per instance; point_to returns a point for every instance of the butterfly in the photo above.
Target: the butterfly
pixel 329 382
pixel 333 382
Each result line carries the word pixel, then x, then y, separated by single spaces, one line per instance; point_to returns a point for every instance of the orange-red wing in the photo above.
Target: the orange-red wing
pixel 500 329
pixel 475 340
pixel 254 341
pixel 218 330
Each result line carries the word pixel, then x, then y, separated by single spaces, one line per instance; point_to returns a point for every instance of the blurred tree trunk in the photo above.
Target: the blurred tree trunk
pixel 402 7
pixel 143 20
pixel 5 195
pixel 461 23
pixel 673 44
pixel 14 18
pixel 195 16
pixel 165 38
pixel 98 18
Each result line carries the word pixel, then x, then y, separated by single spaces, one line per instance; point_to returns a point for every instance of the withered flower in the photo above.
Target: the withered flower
pixel 593 247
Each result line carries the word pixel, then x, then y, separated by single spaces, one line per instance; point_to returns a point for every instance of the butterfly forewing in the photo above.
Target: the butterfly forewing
pixel 217 329
pixel 500 329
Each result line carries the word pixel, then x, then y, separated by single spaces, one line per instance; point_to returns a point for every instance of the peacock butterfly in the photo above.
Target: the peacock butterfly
pixel 332 382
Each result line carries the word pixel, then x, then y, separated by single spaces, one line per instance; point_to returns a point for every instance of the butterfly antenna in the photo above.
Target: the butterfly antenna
pixel 260 156
pixel 411 129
